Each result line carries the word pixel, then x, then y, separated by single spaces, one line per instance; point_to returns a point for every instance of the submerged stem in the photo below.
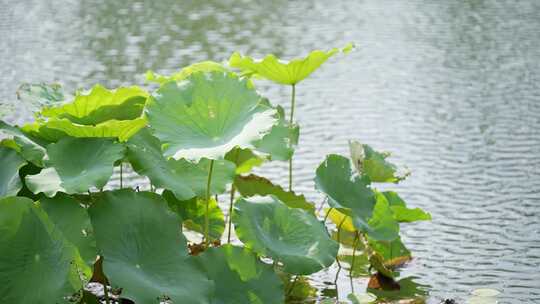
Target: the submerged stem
pixel 233 190
pixel 207 213
pixel 291 121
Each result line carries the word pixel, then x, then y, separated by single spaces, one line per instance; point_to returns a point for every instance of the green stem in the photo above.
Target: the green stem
pixel 207 214
pixel 355 244
pixel 233 190
pixel 291 121
pixel 106 293
pixel 327 214
pixel 339 238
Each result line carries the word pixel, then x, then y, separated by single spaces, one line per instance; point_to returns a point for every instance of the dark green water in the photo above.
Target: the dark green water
pixel 451 87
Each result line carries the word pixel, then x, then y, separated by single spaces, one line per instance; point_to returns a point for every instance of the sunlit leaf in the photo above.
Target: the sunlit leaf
pixel 37 266
pixel 204 66
pixel 280 71
pixel 29 148
pixel 207 115
pixel 192 212
pixel 292 236
pixel 244 159
pixel 10 163
pixel 253 185
pixel 144 250
pixel 279 143
pixel 75 165
pixel 240 277
pixel 373 164
pixel 184 178
pixel 72 219
pixel 38 95
pixel 382 225
pixel 100 105
pixel 401 212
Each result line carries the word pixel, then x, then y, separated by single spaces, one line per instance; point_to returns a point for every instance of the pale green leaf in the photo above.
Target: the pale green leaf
pixel 10 163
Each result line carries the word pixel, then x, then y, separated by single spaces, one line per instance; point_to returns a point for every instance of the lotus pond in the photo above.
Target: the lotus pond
pixel 473 162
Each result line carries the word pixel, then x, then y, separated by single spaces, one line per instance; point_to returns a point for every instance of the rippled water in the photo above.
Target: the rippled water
pixel 451 87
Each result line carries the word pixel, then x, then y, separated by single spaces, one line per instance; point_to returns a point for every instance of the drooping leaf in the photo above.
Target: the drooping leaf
pixel 144 250
pixel 244 159
pixel 10 163
pixel 207 115
pixel 192 212
pixel 279 143
pixel 75 165
pixel 373 164
pixel 401 212
pixel 240 277
pixel 394 253
pixel 29 148
pixel 253 185
pixel 37 266
pixel 204 66
pixel 292 236
pixel 72 219
pixel 100 105
pixel 184 178
pixel 55 129
pixel 345 189
pixel 280 71
pixel 382 226
pixel 39 95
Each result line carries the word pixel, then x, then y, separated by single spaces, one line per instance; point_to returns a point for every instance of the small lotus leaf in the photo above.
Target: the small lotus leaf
pixel 144 250
pixel 240 277
pixel 207 115
pixel 401 212
pixel 373 164
pixel 204 66
pixel 284 72
pixel 294 237
pixel 75 165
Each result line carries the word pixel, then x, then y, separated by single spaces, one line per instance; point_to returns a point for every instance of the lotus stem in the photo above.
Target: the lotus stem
pixel 106 294
pixel 233 190
pixel 291 121
pixel 327 214
pixel 339 238
pixel 207 213
pixel 355 244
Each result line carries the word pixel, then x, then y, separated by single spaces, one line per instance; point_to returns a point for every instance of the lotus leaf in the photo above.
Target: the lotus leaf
pixel 280 141
pixel 401 212
pixel 38 95
pixel 382 225
pixel 373 164
pixel 244 159
pixel 294 237
pixel 37 265
pixel 207 115
pixel 240 277
pixel 192 213
pixel 11 162
pixel 253 185
pixel 75 165
pixel 184 178
pixel 144 250
pixel 29 149
pixel 284 72
pixel 204 66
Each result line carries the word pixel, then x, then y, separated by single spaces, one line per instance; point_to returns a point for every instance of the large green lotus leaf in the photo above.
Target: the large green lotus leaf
pixel 344 189
pixel 75 165
pixel 284 72
pixel 401 212
pixel 294 237
pixel 192 212
pixel 280 141
pixel 55 129
pixel 100 105
pixel 253 185
pixel 373 164
pixel 30 149
pixel 72 219
pixel 240 277
pixel 39 95
pixel 184 178
pixel 10 162
pixel 203 66
pixel 244 159
pixel 207 115
pixel 144 250
pixel 37 265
